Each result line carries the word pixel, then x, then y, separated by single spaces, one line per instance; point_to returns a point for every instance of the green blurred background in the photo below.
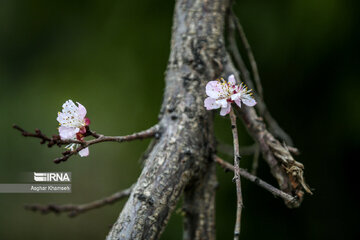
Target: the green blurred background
pixel 111 57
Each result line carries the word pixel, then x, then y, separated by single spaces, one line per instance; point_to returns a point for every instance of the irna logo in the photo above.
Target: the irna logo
pixel 52 177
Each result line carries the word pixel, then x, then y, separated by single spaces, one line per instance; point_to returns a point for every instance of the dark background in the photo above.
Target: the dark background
pixel 111 57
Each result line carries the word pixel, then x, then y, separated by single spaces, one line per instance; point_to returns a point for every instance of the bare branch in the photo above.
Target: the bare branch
pixel 55 139
pixel 182 155
pixel 250 54
pixel 293 150
pixel 237 175
pixel 235 52
pixel 75 210
pixel 274 127
pixel 287 171
pixel 151 132
pixel 245 174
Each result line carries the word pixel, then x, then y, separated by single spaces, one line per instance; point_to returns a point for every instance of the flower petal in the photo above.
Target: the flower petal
pixel 225 110
pixel 82 110
pixel 84 152
pixel 222 102
pixel 68 132
pixel 213 89
pixel 235 96
pixel 60 118
pixel 69 104
pixel 231 79
pixel 210 103
pixel 238 102
pixel 72 115
pixel 248 100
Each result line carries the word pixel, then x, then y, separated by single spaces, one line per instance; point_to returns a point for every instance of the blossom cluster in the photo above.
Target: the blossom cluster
pixel 222 93
pixel 73 125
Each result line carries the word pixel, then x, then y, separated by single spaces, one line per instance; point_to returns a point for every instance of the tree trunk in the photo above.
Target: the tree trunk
pixel 181 159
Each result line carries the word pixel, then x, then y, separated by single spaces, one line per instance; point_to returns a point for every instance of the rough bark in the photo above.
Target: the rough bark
pixel 182 156
pixel 199 207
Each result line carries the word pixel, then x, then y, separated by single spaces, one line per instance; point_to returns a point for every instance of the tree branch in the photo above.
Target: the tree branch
pixel 245 174
pixel 234 25
pixel 199 207
pixel 75 210
pixel 237 178
pixel 183 152
pixel 250 55
pixel 149 133
pixel 55 139
pixel 287 171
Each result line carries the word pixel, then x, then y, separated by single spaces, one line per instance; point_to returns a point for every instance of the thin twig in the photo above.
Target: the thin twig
pixel 274 127
pixel 250 55
pixel 245 174
pixel 236 175
pixel 235 53
pixel 55 139
pixel 75 210
pixel 293 150
pixel 287 171
pixel 151 132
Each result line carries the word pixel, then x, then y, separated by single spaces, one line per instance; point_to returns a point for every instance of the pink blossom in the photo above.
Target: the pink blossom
pixel 222 93
pixel 73 124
